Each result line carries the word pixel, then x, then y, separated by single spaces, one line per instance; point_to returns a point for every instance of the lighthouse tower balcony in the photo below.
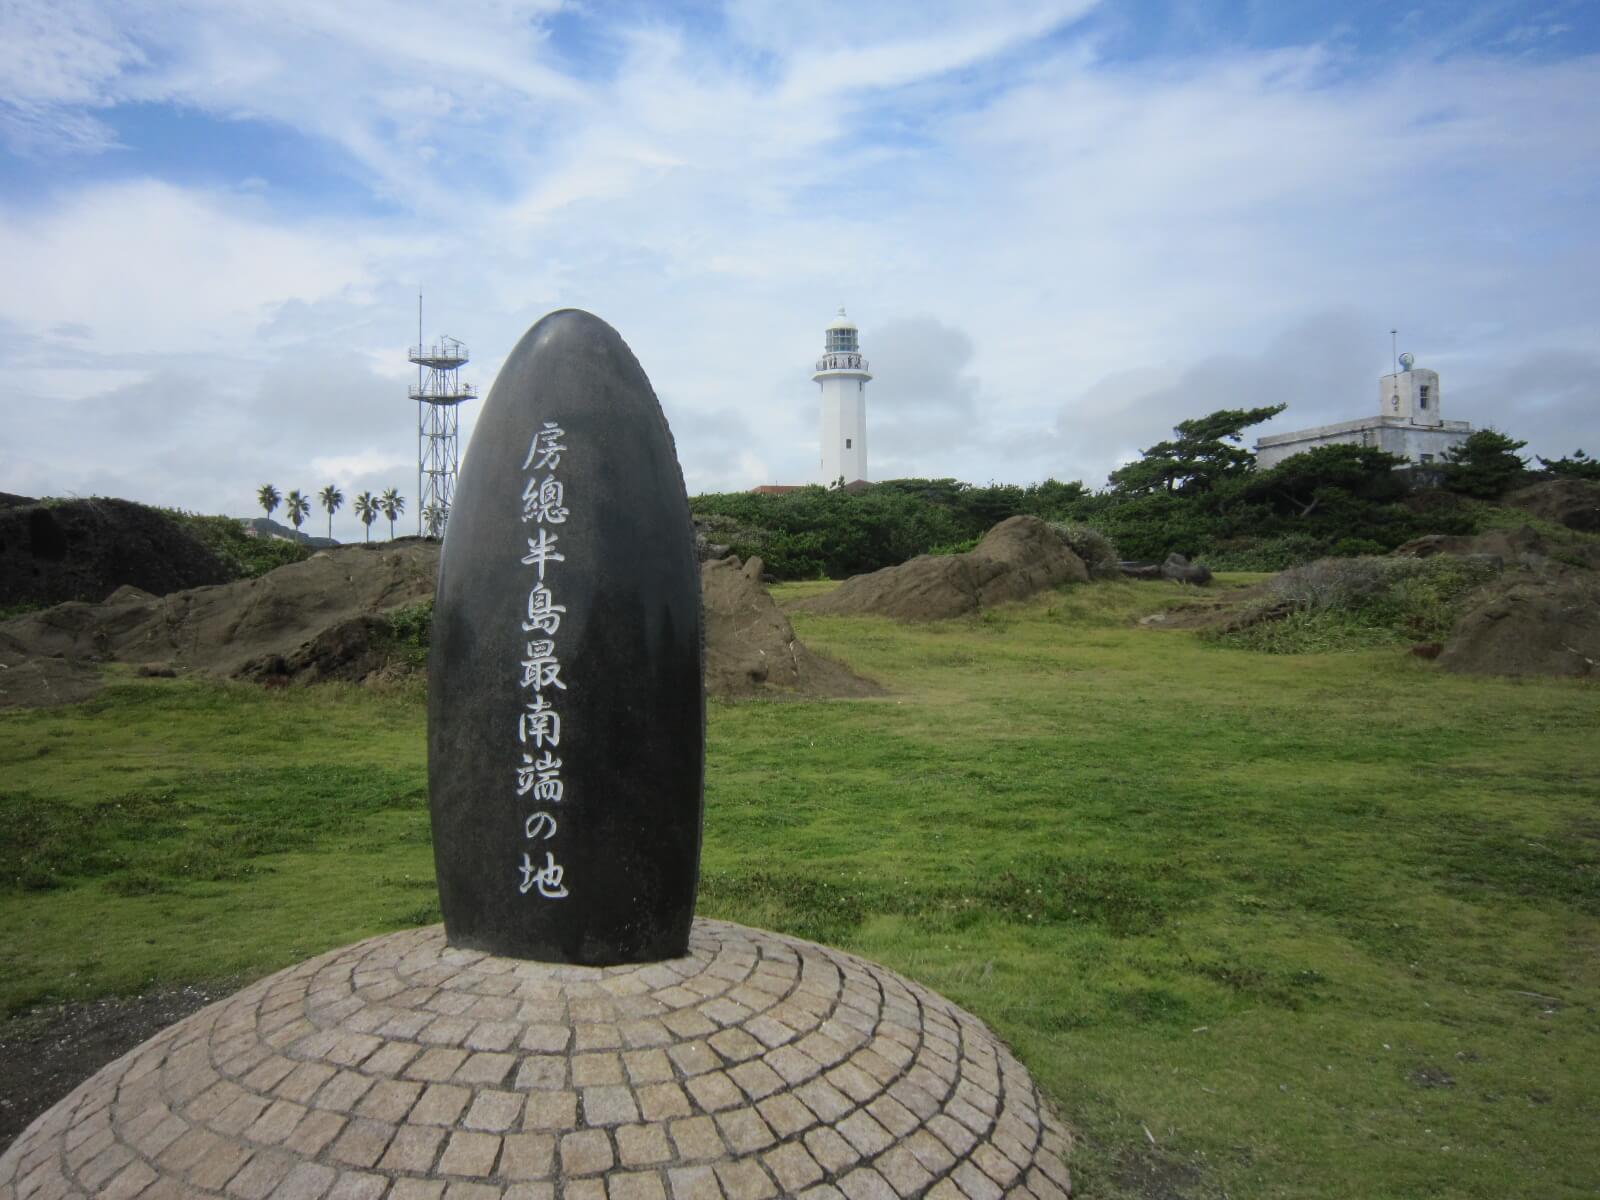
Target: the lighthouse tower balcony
pixel 844 363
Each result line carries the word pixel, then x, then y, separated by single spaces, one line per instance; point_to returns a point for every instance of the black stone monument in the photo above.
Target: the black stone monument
pixel 566 705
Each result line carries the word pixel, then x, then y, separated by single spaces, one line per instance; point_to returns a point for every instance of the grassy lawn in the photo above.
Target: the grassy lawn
pixel 1288 925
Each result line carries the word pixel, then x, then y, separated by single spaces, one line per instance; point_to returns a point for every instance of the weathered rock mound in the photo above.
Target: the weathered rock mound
pixel 1016 559
pixel 1521 546
pixel 751 649
pixel 1574 503
pixel 327 619
pixel 83 549
pixel 1543 624
pixel 308 620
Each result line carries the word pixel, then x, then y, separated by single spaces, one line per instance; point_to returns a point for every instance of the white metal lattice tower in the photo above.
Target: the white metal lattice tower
pixel 842 375
pixel 439 394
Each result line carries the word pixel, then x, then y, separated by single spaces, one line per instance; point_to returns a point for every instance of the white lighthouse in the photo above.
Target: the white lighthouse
pixel 842 376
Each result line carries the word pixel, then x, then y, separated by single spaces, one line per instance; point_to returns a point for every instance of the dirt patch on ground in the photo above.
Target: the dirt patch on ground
pixel 1530 624
pixel 1152 1175
pixel 1017 558
pixel 1574 503
pixel 46 1053
pixel 751 649
pixel 82 549
pixel 312 620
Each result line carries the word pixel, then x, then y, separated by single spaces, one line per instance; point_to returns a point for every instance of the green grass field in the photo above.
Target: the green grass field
pixel 1263 925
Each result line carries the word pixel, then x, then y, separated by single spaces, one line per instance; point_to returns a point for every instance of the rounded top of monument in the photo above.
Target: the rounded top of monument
pixel 841 322
pixel 1407 361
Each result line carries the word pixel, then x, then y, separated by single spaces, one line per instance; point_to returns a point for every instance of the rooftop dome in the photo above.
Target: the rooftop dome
pixel 842 322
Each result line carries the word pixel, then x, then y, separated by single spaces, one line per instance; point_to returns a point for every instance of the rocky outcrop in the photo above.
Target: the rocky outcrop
pixel 253 627
pixel 1574 503
pixel 751 648
pixel 1016 559
pixel 329 619
pixel 1530 624
pixel 1516 547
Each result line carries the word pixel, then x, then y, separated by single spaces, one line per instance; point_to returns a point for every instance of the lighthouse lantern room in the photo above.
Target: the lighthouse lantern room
pixel 842 375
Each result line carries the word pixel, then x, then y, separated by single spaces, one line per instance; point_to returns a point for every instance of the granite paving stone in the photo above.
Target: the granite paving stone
pixel 635 1185
pixel 413 1149
pixel 694 1183
pixel 469 1153
pixel 551 1110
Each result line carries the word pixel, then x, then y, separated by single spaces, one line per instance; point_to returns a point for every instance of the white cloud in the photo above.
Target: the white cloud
pixel 1053 258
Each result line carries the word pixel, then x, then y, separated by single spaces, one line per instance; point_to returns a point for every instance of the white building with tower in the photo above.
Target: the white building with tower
pixel 1409 424
pixel 842 375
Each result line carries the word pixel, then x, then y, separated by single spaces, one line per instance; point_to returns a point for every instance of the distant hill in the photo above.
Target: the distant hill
pixel 267 527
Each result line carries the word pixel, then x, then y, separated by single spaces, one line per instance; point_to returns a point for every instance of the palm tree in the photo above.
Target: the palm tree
pixel 367 510
pixel 296 507
pixel 393 504
pixel 331 498
pixel 267 496
pixel 433 518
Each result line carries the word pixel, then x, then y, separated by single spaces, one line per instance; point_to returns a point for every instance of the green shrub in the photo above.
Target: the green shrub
pixel 965 546
pixel 411 629
pixel 1352 547
pixel 1099 553
pixel 245 556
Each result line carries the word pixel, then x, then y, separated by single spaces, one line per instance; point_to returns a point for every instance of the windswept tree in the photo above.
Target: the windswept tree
pixel 1206 451
pixel 1486 465
pixel 267 496
pixel 367 510
pixel 297 508
pixel 1577 465
pixel 331 498
pixel 393 504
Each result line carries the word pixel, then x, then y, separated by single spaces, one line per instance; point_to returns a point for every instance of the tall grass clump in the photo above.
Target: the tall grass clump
pixel 1356 603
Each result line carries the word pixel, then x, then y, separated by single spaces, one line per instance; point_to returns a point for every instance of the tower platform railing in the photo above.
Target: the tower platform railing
pixel 841 362
pixel 441 356
pixel 461 393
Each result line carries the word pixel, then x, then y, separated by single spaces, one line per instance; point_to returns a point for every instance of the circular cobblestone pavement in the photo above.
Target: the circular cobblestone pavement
pixel 754 1067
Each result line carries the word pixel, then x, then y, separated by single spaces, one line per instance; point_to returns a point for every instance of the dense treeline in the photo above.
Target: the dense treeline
pixel 1199 494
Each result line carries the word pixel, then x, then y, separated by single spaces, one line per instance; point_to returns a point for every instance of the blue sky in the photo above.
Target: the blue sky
pixel 1062 226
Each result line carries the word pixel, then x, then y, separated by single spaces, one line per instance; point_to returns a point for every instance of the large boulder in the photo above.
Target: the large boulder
pixel 751 648
pixel 1530 624
pixel 1016 559
pixel 1574 503
pixel 1175 567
